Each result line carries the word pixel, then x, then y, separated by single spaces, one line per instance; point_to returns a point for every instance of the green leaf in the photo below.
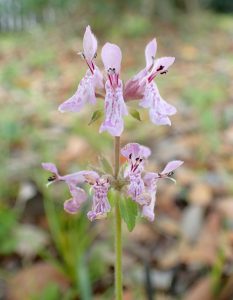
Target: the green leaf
pixel 129 211
pixel 106 165
pixel 96 115
pixel 135 114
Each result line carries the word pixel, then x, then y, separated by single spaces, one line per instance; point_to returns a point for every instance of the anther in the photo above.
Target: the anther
pixel 160 68
pixel 170 174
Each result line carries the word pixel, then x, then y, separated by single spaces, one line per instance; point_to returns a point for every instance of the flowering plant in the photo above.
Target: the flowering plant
pixel 140 186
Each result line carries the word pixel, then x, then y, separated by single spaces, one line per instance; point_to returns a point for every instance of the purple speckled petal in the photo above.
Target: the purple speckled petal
pixel 100 206
pixel 159 109
pixel 85 93
pixel 148 210
pixel 115 109
pixel 144 198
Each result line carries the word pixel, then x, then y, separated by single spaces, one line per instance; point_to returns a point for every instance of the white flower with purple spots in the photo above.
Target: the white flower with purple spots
pixel 90 82
pixel 150 180
pixel 142 86
pixel 115 107
pixel 100 185
pixel 136 154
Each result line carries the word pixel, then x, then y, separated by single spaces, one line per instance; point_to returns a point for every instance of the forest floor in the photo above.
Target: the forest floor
pixel 187 252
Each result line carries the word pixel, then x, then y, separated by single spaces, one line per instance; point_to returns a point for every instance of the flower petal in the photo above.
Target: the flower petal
pixel 150 180
pixel 111 57
pixel 144 199
pixel 50 167
pixel 80 177
pixel 148 210
pixel 159 109
pixel 100 206
pixel 171 166
pixel 136 150
pixel 79 196
pixel 89 44
pixel 162 64
pixel 159 119
pixel 85 93
pixel 150 52
pixel 134 88
pixel 115 109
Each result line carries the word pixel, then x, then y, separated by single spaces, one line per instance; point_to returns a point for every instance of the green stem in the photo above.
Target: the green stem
pixel 118 234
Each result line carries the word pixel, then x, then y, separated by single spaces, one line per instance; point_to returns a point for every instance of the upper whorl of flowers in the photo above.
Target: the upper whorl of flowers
pixel 141 86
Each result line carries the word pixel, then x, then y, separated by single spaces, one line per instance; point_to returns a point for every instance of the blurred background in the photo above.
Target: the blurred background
pixel 187 252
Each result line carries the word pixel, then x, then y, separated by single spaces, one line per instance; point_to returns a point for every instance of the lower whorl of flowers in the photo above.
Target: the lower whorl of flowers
pixel 135 183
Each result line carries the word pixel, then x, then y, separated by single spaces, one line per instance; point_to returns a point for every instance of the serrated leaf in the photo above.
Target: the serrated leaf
pixel 106 165
pixel 129 211
pixel 135 114
pixel 96 115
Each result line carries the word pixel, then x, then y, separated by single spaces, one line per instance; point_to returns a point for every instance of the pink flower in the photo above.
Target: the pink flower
pixel 115 107
pixel 100 186
pixel 91 81
pixel 150 180
pixel 142 86
pixel 136 154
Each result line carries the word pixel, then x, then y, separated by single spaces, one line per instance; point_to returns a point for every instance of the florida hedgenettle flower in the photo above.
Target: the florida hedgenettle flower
pixel 140 186
pixel 142 86
pixel 90 82
pixel 115 107
pixel 150 180
pixel 136 154
pixel 100 186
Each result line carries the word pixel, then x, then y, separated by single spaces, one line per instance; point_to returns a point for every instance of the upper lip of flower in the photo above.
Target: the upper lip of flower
pixel 111 57
pixel 89 48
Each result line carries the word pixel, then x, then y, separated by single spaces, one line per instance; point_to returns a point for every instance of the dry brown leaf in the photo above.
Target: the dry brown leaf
pixel 225 206
pixel 201 194
pixel 32 280
pixel 200 291
pixel 206 249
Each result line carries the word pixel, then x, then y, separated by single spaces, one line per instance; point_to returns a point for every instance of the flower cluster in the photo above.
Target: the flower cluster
pixel 140 186
pixel 141 87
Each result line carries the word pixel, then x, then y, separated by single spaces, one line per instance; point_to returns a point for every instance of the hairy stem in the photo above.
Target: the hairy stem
pixel 118 237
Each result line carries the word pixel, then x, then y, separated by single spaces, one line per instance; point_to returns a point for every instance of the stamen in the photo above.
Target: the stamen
pixel 130 156
pixel 160 68
pixel 170 174
pixel 164 72
pixel 52 178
